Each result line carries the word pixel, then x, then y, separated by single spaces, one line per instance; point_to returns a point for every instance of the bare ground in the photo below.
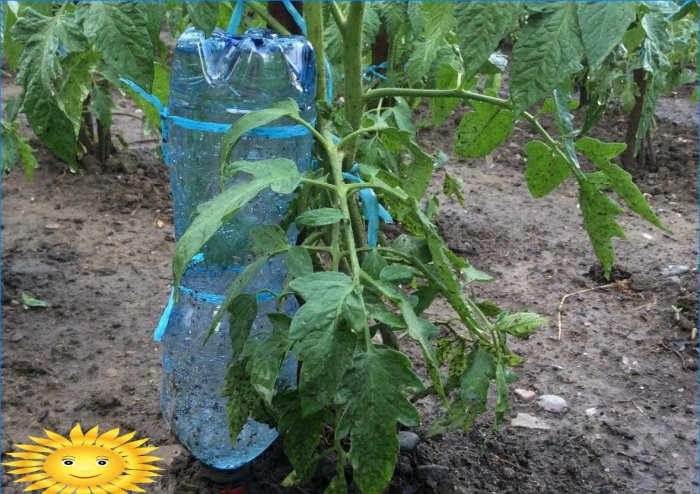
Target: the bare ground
pixel 97 246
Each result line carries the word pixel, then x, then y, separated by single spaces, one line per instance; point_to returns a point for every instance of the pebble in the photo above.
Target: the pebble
pixel 525 395
pixel 674 270
pixel 528 421
pixel 553 403
pixel 168 453
pixel 408 441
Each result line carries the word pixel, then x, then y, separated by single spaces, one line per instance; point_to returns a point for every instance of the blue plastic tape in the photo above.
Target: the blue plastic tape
pixel 236 17
pixel 295 15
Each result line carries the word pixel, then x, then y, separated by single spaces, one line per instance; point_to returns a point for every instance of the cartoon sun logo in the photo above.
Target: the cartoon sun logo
pixel 85 463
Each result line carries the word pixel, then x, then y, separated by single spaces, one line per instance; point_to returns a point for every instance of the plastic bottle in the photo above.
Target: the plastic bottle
pixel 217 80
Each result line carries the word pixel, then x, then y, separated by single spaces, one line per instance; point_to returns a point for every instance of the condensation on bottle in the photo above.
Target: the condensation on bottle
pixel 218 80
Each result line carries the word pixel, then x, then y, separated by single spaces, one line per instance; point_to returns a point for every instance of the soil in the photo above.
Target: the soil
pixel 97 246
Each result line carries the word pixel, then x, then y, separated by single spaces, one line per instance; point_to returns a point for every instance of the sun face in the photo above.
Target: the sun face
pixel 85 463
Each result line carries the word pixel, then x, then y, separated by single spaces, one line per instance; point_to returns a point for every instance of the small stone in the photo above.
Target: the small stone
pixel 130 198
pixel 525 395
pixel 674 270
pixel 590 412
pixel 111 372
pixel 15 337
pixel 408 441
pixel 168 453
pixel 553 403
pixel 528 421
pixel 52 226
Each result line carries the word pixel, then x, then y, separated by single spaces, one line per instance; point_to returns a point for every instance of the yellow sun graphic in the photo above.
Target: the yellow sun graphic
pixel 85 463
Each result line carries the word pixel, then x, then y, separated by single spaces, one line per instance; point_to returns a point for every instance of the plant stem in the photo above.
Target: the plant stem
pixel 313 14
pixel 352 64
pixel 469 95
pixel 271 21
pixel 338 17
pixel 319 183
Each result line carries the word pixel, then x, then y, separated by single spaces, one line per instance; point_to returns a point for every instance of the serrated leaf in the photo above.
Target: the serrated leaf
pixel 242 310
pixel 242 398
pixel 299 261
pixel 483 130
pixel 520 324
pixel 266 356
pixel 548 50
pixel 250 121
pixel 376 402
pixel 74 87
pixel 235 289
pixel 452 187
pixel 302 434
pixel 396 273
pixel 320 217
pixel 480 28
pixel 11 49
pixel 322 328
pixel 120 32
pixel 280 175
pixel 600 154
pixel 599 213
pixel 545 170
pixel 203 15
pixel 603 24
pixel 471 274
pixel 161 89
pixel 373 264
pixel 101 105
pixel 38 71
pixel 268 239
pixel 447 77
pixel 15 147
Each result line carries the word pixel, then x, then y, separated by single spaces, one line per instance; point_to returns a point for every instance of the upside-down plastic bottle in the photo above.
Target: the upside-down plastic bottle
pixel 214 82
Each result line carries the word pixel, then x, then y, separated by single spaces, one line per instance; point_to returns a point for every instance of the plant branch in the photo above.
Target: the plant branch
pixel 338 17
pixel 313 13
pixel 271 21
pixel 373 94
pixel 352 64
pixel 319 183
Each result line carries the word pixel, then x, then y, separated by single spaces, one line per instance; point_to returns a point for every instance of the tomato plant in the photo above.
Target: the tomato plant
pixel 364 304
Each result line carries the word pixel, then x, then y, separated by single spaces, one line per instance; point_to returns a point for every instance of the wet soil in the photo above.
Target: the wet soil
pixel 97 247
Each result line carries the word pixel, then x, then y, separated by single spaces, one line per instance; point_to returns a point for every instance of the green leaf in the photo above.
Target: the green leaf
pixel 320 217
pixel 547 51
pixel 280 175
pixel 154 12
pixel 120 32
pixel 603 24
pixel 337 485
pixel 545 170
pixel 376 402
pixel 30 302
pixel 15 147
pixel 600 154
pixel 203 15
pixel 235 289
pixel 439 20
pixel 268 239
pixel 480 28
pixel 11 49
pixel 299 261
pixel 242 398
pixel 101 105
pixel 266 356
pixel 599 213
pixel 483 130
pixel 39 69
pixel 471 274
pixel 447 77
pixel 242 310
pixel 452 187
pixel 161 89
pixel 396 273
pixel 250 121
pixel 373 264
pixel 520 324
pixel 322 328
pixel 302 433
pixel 76 84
